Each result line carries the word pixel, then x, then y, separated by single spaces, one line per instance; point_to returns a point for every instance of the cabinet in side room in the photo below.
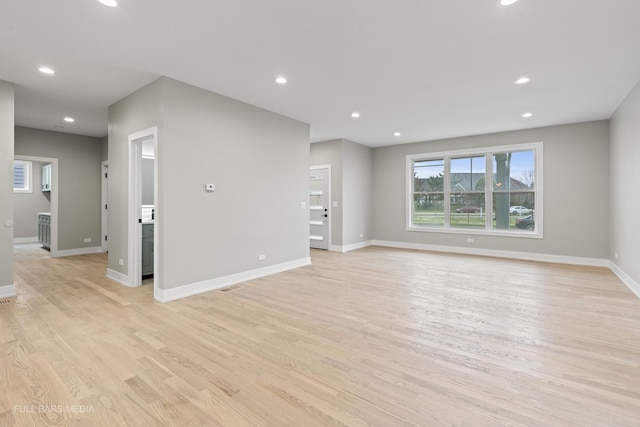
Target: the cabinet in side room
pixel 46 177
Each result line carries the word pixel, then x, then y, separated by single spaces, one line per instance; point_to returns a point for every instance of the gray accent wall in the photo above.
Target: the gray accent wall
pixel 357 193
pixel 27 205
pixel 575 194
pixel 258 161
pixel 104 148
pixel 625 185
pixel 7 114
pixel 79 185
pixel 351 186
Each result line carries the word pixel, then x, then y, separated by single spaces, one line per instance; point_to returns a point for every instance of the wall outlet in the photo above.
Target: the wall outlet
pixel 87 239
pixel 121 261
pixel 469 240
pixel 335 204
pixel 210 187
pixel 262 257
pixel 361 235
pixel 303 205
pixel 615 255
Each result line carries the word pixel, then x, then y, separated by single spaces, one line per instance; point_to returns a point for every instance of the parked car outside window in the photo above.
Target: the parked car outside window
pixel 520 210
pixel 526 223
pixel 468 209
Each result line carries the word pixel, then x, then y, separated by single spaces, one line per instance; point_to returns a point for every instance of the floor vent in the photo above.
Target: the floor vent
pixel 4 301
pixel 230 288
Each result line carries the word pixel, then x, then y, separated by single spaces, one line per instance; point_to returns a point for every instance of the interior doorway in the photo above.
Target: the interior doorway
pixel 105 205
pixel 143 212
pixel 46 187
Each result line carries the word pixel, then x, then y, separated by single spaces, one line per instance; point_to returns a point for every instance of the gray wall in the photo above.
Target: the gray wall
pixel 7 114
pixel 625 184
pixel 138 111
pixel 351 186
pixel 357 184
pixel 79 185
pixel 147 181
pixel 330 153
pixel 576 184
pixel 27 205
pixel 104 148
pixel 258 161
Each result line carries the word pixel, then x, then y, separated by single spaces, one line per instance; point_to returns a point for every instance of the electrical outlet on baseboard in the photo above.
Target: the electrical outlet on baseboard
pixel 262 257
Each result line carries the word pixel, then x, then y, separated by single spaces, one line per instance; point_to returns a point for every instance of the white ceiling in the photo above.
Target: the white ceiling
pixel 429 69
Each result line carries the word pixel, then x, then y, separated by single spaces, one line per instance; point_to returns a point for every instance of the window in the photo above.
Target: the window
pixel 21 176
pixel 494 191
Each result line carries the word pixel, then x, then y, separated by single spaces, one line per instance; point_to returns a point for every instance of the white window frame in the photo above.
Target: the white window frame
pixel 28 181
pixel 488 152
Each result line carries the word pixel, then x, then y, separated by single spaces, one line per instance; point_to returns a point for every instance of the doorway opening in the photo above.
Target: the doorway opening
pixel 36 220
pixel 143 213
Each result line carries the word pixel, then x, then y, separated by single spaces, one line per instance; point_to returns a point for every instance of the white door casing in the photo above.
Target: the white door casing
pixel 319 207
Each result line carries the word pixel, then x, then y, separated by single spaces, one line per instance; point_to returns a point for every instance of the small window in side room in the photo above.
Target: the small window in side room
pixel 22 176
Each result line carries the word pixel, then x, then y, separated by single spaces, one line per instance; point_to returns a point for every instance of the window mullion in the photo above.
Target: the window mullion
pixel 447 192
pixel 488 193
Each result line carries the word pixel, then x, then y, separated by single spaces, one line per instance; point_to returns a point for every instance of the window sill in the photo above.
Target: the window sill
pixel 494 233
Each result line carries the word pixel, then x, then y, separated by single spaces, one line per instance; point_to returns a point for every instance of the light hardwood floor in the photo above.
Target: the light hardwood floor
pixel 374 337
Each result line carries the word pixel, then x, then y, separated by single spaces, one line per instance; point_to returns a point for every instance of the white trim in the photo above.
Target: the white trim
pixel 226 281
pixel 54 197
pixel 78 251
pixel 8 291
pixel 19 240
pixel 626 279
pixel 105 200
pixel 527 256
pixel 351 247
pixel 118 277
pixel 329 201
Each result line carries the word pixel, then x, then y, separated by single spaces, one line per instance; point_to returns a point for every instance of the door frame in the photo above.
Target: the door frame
pixel 105 201
pixel 330 201
pixel 135 209
pixel 53 250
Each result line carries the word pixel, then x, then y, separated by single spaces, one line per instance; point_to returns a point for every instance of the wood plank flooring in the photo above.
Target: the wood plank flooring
pixel 374 337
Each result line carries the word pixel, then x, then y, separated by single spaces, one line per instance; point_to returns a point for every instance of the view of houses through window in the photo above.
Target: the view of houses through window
pixel 492 190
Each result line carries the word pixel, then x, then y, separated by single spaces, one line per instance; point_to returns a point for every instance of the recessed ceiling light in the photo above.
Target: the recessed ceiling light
pixel 281 80
pixel 527 115
pixel 507 2
pixel 110 3
pixel 397 134
pixel 69 119
pixel 46 70
pixel 355 115
pixel 523 80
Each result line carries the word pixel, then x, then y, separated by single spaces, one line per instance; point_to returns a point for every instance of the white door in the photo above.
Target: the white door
pixel 319 208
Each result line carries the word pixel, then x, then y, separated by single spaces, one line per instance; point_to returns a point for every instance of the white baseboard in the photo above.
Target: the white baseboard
pixel 226 281
pixel 351 247
pixel 527 256
pixel 626 279
pixel 78 251
pixel 19 240
pixel 8 291
pixel 118 277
